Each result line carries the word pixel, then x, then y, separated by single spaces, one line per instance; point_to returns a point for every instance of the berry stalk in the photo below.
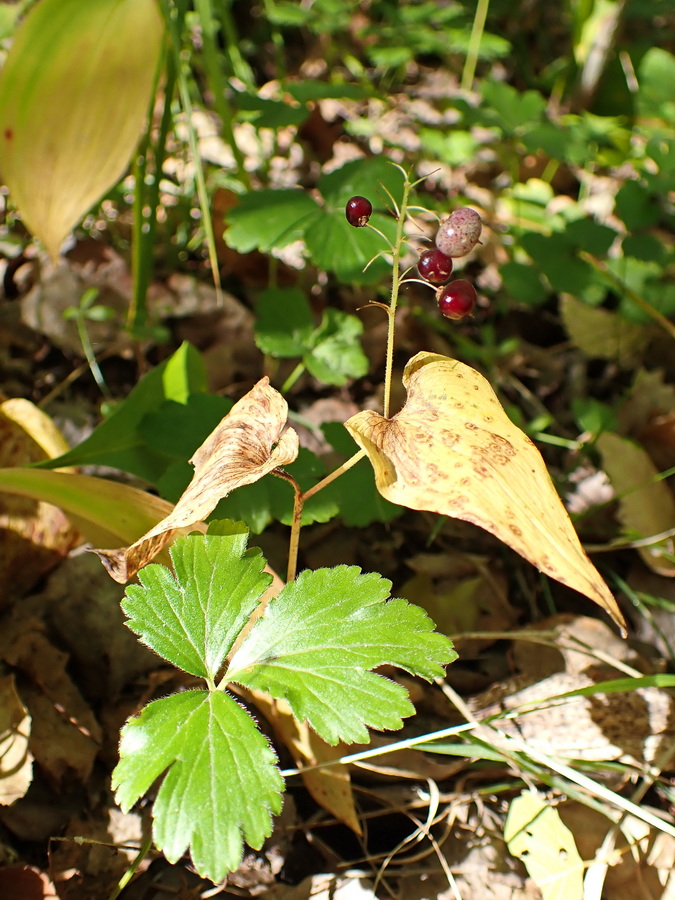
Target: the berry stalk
pixel 395 287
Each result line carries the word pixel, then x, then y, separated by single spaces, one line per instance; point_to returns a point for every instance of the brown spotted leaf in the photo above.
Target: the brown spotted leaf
pixel 239 451
pixel 453 450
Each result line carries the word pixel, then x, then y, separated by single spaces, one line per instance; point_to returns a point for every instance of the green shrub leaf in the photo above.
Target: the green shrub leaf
pixel 269 219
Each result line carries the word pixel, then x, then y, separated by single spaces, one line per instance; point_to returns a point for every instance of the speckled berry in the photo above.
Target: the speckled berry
pixel 459 232
pixel 457 299
pixel 358 210
pixel 434 266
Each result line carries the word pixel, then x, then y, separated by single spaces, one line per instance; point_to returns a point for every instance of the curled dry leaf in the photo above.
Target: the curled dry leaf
pixel 453 450
pixel 238 451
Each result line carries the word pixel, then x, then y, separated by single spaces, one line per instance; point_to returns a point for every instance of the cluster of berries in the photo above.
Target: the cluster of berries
pixel 457 235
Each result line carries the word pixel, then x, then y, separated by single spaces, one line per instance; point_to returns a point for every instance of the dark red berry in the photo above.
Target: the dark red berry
pixel 435 267
pixel 459 232
pixel 358 210
pixel 456 299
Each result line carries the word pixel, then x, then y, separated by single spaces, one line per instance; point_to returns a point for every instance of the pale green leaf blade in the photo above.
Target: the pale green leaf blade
pixel 535 833
pixel 270 219
pixel 283 322
pixel 319 638
pixel 193 618
pixel 222 784
pixel 74 97
pixel 336 354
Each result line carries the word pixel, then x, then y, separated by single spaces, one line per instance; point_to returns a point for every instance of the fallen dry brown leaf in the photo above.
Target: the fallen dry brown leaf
pixel 239 451
pixel 453 450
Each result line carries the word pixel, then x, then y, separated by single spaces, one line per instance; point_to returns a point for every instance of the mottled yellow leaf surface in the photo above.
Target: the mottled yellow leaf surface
pixel 453 450
pixel 74 97
pixel 240 450
pixel 646 503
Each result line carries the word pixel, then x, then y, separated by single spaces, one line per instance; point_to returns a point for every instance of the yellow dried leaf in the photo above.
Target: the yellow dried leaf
pixel 238 451
pixel 534 832
pixel 646 503
pixel 453 450
pixel 74 97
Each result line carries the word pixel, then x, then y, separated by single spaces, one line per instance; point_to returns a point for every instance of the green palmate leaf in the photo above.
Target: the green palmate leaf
pixel 265 220
pixel 336 354
pixel 331 352
pixel 371 177
pixel 221 785
pixel 318 640
pixel 284 322
pixel 119 440
pixel 337 246
pixel 193 619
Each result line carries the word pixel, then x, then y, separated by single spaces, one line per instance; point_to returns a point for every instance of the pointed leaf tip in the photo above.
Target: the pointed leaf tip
pixel 453 450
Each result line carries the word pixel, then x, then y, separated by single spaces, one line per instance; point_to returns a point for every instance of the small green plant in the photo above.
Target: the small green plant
pixel 315 642
pixel 89 311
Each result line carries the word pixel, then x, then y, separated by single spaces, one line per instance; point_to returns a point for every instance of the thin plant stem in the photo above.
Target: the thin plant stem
pixel 301 498
pixel 333 475
pixel 292 378
pixel 639 300
pixel 145 226
pixel 475 39
pixel 131 871
pixel 298 504
pixel 395 285
pixel 91 357
pixel 214 73
pixel 186 103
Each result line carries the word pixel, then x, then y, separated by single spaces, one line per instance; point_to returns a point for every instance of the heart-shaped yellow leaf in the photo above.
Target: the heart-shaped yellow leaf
pixel 453 450
pixel 240 450
pixel 74 97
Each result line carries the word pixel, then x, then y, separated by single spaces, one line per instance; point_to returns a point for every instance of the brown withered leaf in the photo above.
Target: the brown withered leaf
pixel 453 450
pixel 238 451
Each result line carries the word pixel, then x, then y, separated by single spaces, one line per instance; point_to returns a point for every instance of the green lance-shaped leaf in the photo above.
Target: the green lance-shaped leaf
pixel 221 785
pixel 319 639
pixel 74 96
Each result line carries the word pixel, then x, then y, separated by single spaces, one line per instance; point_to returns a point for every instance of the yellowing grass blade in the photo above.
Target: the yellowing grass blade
pixel 74 95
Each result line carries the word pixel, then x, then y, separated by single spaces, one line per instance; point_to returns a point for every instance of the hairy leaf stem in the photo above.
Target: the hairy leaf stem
pixel 395 285
pixel 299 503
